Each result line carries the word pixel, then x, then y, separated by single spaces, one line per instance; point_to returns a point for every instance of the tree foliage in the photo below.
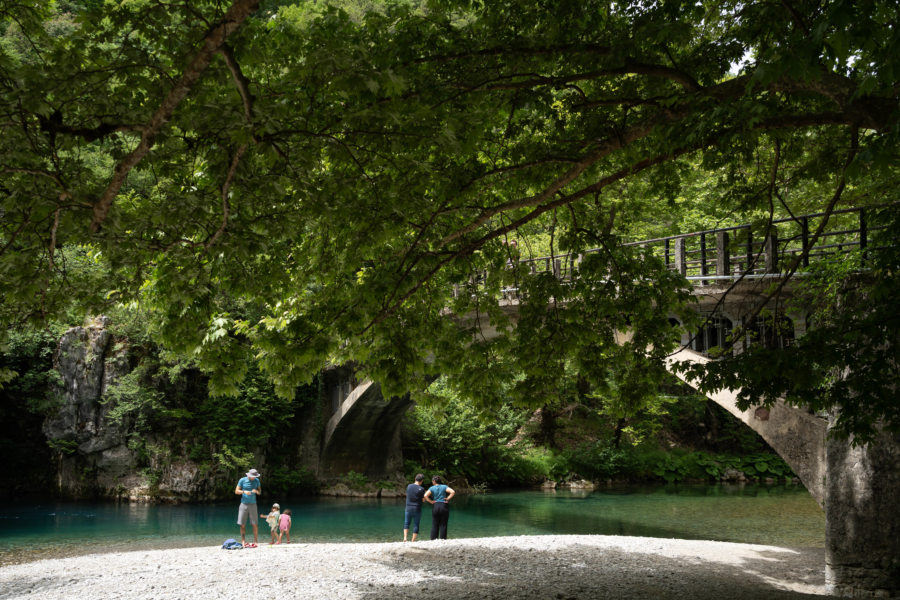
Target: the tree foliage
pixel 449 436
pixel 346 171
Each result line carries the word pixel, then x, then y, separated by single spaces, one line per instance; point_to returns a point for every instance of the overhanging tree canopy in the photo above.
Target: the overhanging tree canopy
pixel 345 173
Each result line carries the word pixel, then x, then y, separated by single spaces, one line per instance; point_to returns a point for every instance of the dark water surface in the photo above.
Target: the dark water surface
pixel 775 515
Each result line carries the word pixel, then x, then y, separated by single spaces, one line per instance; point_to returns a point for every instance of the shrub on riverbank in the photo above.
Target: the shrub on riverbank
pixel 650 463
pixel 453 438
pixel 508 448
pixel 531 466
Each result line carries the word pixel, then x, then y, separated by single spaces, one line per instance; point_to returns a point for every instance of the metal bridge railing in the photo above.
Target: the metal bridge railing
pixel 717 255
pixel 730 252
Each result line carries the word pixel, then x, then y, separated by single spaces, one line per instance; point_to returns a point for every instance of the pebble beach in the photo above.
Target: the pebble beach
pixel 539 567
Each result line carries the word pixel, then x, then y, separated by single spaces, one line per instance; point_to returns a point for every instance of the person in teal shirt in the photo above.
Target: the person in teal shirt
pixel 248 488
pixel 438 495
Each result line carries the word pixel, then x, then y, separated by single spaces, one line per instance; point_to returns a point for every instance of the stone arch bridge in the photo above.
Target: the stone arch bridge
pixel 730 268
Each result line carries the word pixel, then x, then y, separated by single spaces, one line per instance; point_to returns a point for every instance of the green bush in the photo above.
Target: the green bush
pixel 27 360
pixel 682 465
pixel 355 481
pixel 290 480
pixel 599 460
pixel 63 446
pixel 411 468
pixel 522 467
pixel 449 436
pixel 539 463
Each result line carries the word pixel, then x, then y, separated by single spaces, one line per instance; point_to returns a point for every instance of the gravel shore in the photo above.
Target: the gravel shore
pixel 546 567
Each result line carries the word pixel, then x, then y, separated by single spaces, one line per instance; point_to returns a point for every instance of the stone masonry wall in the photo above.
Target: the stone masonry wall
pixel 862 534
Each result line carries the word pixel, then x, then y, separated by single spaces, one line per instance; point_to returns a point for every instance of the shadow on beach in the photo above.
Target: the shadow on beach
pixel 585 572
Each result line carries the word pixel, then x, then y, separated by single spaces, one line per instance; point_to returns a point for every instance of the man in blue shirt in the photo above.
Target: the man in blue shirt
pixel 414 493
pixel 248 488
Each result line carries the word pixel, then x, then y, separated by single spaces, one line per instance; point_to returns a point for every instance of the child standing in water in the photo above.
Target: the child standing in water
pixel 272 520
pixel 284 525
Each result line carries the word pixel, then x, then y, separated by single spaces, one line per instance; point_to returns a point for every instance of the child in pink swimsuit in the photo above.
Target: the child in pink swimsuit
pixel 284 525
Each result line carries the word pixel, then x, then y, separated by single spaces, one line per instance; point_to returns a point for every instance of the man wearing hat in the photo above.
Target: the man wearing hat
pixel 248 488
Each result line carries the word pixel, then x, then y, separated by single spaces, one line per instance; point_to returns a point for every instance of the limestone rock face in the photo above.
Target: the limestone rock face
pixel 93 458
pixel 81 361
pixel 92 450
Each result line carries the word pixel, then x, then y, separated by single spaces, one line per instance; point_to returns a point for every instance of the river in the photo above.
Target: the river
pixel 773 515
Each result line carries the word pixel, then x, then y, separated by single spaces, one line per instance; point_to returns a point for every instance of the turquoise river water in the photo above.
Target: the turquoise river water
pixel 775 515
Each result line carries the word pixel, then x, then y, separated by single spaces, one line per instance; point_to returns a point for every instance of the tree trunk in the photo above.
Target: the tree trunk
pixel 617 438
pixel 549 425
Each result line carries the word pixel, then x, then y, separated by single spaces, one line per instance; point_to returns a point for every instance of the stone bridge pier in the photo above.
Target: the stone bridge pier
pixel 862 509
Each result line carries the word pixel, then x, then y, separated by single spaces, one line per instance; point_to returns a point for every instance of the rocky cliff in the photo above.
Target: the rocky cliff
pixel 92 452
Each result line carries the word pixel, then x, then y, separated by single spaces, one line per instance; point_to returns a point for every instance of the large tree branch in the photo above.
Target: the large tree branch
pixel 630 67
pixel 243 87
pixel 226 189
pixel 594 188
pixel 633 134
pixel 603 150
pixel 509 169
pixel 596 49
pixel 564 200
pixel 729 89
pixel 234 18
pixel 54 125
pixel 472 246
pixel 240 81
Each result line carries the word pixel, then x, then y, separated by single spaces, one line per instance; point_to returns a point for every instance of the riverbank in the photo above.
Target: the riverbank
pixel 575 566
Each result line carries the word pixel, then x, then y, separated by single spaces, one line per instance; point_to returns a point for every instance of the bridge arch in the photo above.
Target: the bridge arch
pixel 363 433
pixel 794 434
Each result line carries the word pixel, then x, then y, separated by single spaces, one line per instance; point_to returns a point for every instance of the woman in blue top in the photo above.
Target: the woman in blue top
pixel 438 495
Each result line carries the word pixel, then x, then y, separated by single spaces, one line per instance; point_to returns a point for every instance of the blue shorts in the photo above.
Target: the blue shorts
pixel 414 515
